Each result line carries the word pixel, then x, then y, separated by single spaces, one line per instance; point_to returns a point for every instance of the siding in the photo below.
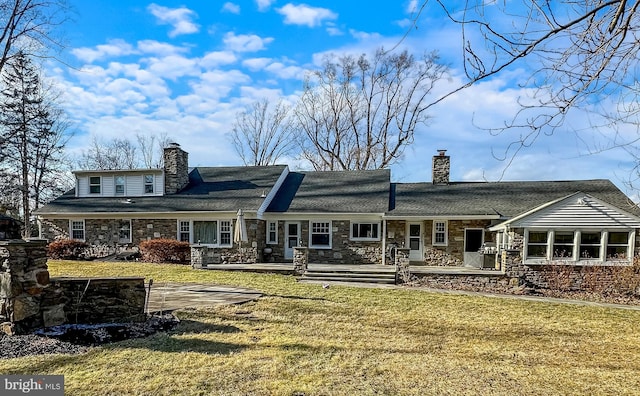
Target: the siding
pixel 578 211
pixel 134 183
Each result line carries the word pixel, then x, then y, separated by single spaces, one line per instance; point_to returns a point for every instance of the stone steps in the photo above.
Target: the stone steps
pixel 351 274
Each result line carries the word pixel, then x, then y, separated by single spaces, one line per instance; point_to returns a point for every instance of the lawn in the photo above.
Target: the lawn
pixel 303 339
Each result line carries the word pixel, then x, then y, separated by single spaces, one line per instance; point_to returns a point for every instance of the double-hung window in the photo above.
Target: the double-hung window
pixel 225 233
pixel 119 185
pixel 439 233
pixel 77 229
pixel 184 231
pixel 365 231
pixel 148 184
pixel 320 234
pixel 124 231
pixel 563 244
pixel 617 245
pixel 590 245
pixel 537 244
pixel 272 232
pixel 95 184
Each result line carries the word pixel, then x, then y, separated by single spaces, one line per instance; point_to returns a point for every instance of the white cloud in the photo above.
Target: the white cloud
pixel 264 5
pixel 179 18
pixel 412 6
pixel 256 64
pixel 334 31
pixel 287 72
pixel 245 42
pixel 159 49
pixel 364 36
pixel 231 8
pixel 173 67
pixel 305 15
pixel 218 58
pixel 114 48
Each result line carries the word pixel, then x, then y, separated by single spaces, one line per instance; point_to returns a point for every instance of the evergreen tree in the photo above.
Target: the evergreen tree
pixel 32 138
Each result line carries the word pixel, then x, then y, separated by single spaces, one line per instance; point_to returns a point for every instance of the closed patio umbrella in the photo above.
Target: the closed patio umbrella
pixel 240 232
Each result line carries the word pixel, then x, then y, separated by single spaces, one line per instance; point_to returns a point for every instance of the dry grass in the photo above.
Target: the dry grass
pixel 302 339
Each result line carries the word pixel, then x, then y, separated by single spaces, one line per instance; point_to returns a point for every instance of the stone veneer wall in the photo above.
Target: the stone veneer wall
pixel 343 250
pixel 176 169
pixel 31 300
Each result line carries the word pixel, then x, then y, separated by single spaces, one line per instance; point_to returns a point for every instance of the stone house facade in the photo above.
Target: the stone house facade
pixel 343 217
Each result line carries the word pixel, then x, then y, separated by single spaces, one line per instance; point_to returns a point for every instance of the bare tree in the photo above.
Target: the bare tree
pixel 152 149
pixel 26 26
pixel 33 136
pixel 125 154
pixel 113 154
pixel 361 113
pixel 583 52
pixel 263 134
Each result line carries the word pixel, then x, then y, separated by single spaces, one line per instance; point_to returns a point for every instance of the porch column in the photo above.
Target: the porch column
pixel 300 260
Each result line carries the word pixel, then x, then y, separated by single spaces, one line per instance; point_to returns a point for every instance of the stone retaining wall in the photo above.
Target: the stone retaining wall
pixel 31 300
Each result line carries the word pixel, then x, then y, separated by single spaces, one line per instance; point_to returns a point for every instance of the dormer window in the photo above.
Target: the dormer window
pixel 119 181
pixel 148 184
pixel 95 184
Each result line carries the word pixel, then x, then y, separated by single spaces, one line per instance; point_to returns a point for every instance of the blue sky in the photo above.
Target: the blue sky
pixel 186 68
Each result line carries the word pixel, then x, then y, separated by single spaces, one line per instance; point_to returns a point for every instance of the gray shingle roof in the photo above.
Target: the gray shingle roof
pixel 505 199
pixel 225 189
pixel 364 191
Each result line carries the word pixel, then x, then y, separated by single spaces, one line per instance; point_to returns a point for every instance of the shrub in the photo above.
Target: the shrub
pixel 165 251
pixel 67 249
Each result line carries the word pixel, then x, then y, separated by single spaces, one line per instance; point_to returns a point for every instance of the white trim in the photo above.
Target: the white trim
pixel 130 231
pixel 268 231
pixel 90 185
pixel 272 193
pixel 330 232
pixel 446 233
pixel 364 239
pixel 84 229
pixel 218 243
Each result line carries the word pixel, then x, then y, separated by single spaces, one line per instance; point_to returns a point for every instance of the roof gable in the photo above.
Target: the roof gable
pixel 578 210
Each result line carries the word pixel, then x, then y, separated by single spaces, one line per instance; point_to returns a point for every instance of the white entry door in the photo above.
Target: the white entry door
pixel 414 241
pixel 291 238
pixel 473 240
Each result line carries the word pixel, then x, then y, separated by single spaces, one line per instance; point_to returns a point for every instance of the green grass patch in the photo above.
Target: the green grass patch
pixel 303 339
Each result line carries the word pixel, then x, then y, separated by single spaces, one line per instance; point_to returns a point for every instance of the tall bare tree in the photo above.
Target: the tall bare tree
pixel 33 136
pixel 262 134
pixel 361 113
pixel 584 53
pixel 27 26
pixel 146 151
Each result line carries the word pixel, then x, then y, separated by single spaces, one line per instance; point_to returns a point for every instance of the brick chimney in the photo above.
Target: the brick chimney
pixel 440 168
pixel 176 168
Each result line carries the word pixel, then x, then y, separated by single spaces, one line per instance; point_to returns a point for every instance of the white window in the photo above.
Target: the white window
pixel 365 231
pixel 320 235
pixel 578 245
pixel 617 245
pixel 95 183
pixel 119 182
pixel 563 244
pixel 440 233
pixel 148 184
pixel 537 244
pixel 216 233
pixel 124 231
pixel 590 245
pixel 225 233
pixel 184 231
pixel 77 229
pixel 272 232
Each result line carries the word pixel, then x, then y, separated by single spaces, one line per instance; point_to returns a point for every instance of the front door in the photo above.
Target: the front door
pixel 291 238
pixel 414 241
pixel 473 240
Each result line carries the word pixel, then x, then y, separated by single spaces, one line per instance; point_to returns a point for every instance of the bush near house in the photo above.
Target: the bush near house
pixel 67 249
pixel 165 251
